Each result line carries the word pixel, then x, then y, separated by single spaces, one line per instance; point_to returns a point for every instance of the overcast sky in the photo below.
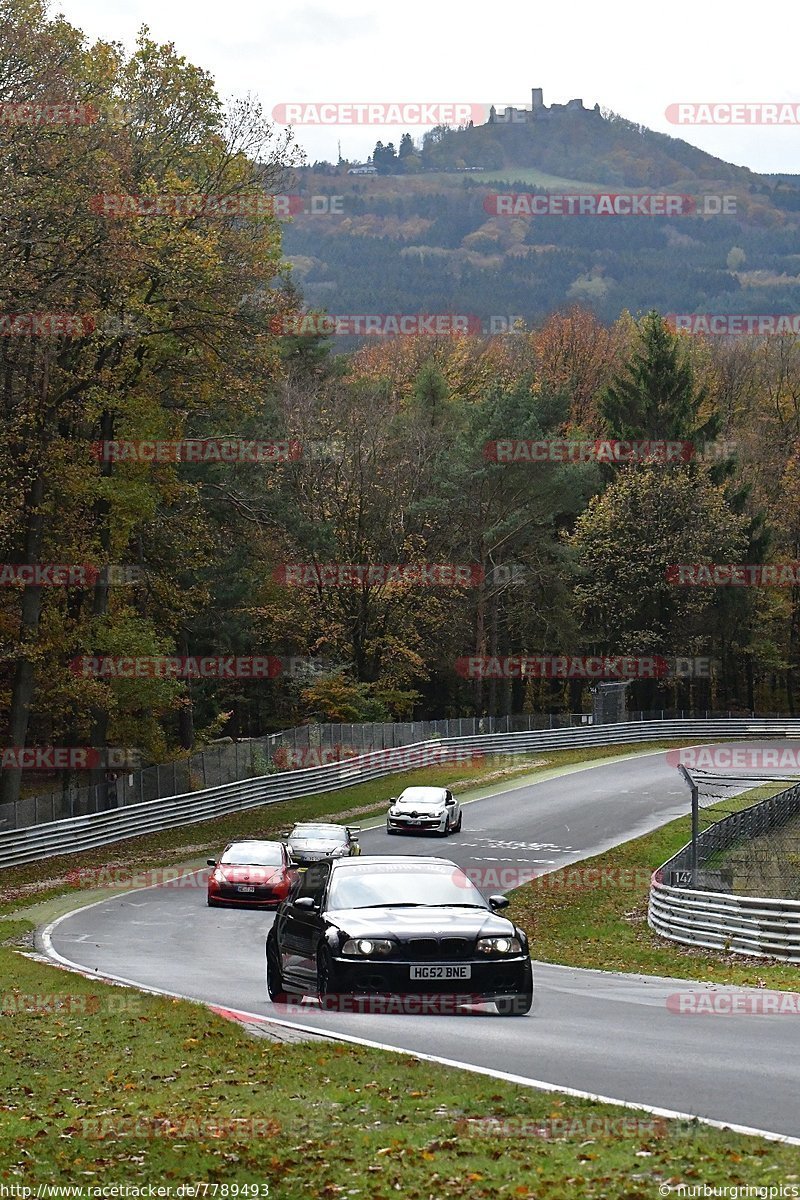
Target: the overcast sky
pixel 632 57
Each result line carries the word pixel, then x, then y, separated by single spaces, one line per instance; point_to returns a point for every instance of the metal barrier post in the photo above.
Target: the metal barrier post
pixel 695 820
pixel 695 830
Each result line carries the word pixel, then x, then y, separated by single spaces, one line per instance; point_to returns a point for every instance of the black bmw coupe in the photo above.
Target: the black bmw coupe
pixel 388 925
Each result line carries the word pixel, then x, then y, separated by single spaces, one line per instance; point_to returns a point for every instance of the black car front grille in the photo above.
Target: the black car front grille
pixel 434 949
pixel 456 947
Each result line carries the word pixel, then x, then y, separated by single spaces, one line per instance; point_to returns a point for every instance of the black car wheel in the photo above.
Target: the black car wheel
pixel 389 829
pixel 458 823
pixel 520 1004
pixel 326 983
pixel 213 903
pixel 274 974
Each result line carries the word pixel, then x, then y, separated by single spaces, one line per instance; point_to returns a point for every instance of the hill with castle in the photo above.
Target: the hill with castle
pixel 572 141
pixel 422 235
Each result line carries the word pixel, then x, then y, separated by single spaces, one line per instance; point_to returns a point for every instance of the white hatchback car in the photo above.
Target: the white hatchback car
pixel 424 810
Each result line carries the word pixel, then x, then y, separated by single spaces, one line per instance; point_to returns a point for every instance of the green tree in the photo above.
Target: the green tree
pixel 339 699
pixel 655 396
pixel 406 146
pixel 646 521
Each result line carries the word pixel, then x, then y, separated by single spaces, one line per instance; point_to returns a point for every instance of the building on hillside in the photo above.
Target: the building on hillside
pixel 365 169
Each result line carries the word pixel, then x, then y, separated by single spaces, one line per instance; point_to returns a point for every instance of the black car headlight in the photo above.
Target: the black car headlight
pixel 498 945
pixel 367 947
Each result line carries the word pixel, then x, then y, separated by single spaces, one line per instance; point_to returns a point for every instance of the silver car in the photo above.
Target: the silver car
pixel 309 841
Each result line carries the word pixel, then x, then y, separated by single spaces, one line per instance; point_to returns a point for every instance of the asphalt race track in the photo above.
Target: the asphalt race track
pixel 602 1033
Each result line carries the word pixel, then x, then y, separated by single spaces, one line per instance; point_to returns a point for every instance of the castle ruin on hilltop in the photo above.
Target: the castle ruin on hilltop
pixel 538 110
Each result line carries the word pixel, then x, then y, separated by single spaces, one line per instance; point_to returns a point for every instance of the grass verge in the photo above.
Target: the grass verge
pixel 103 1085
pixel 594 914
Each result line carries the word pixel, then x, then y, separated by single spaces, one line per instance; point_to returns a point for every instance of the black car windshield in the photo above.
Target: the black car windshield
pixel 253 856
pixel 370 887
pixel 329 832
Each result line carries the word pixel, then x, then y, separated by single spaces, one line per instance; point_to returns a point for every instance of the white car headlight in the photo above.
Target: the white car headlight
pixel 498 945
pixel 366 947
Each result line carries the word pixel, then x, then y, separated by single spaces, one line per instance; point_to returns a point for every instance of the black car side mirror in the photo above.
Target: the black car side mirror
pixel 212 862
pixel 307 903
pixel 499 901
pixel 285 833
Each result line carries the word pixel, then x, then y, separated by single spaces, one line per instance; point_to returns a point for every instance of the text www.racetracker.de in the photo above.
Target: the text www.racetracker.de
pixel 134 1191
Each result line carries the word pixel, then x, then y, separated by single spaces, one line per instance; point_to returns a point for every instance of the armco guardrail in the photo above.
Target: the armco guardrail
pixel 721 921
pixel 100 829
pixel 752 925
pixel 315 744
pixel 229 761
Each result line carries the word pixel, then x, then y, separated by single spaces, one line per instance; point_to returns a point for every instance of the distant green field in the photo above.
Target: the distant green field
pixel 432 180
pixel 540 179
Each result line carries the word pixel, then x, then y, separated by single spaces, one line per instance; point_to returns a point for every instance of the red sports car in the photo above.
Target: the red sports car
pixel 251 873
